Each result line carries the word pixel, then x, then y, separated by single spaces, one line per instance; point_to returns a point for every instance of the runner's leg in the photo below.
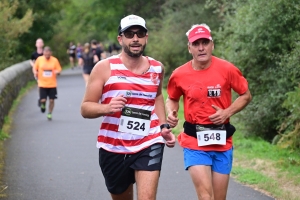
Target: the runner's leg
pixel 43 94
pixel 39 99
pixel 43 98
pixel 86 78
pixel 222 165
pixel 127 195
pixel 146 183
pixel 71 61
pixel 220 185
pixel 52 96
pixel 119 177
pixel 51 105
pixel 202 179
pixel 43 105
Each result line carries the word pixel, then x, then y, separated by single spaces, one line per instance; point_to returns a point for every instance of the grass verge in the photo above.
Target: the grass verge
pixel 266 167
pixel 261 165
pixel 5 132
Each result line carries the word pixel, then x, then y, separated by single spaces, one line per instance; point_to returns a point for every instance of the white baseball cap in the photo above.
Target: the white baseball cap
pixel 131 20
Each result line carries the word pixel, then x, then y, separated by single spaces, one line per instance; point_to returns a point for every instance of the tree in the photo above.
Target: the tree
pixel 46 15
pixel 97 19
pixel 255 39
pixel 168 40
pixel 11 28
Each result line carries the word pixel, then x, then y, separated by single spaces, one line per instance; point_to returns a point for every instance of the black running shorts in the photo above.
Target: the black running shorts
pixel 87 71
pixel 72 55
pixel 48 92
pixel 118 169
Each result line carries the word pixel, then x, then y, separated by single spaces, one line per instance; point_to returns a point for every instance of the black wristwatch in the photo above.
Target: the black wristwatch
pixel 165 126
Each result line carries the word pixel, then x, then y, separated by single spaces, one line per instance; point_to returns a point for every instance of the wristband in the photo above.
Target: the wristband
pixel 165 126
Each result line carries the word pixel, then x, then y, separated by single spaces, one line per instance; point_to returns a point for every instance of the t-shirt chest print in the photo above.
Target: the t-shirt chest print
pixel 199 93
pixel 214 91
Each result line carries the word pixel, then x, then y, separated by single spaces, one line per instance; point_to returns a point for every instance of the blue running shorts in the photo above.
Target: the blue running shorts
pixel 220 161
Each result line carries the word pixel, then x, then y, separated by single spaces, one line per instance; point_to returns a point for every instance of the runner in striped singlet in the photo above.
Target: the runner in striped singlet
pixel 134 131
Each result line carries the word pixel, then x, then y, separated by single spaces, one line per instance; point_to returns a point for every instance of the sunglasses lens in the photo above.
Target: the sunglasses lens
pixel 141 34
pixel 130 34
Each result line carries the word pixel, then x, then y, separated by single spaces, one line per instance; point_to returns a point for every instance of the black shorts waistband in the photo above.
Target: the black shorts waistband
pixel 191 129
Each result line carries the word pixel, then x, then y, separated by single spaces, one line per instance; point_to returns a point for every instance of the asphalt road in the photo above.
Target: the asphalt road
pixel 58 159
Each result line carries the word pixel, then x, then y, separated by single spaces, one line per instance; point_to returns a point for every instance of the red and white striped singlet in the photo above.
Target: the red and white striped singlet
pixel 140 92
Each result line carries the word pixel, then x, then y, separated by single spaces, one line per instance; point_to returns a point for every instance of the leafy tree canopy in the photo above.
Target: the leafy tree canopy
pixel 11 28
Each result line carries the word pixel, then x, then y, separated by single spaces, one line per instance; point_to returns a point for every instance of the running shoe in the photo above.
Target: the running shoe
pixel 49 116
pixel 43 107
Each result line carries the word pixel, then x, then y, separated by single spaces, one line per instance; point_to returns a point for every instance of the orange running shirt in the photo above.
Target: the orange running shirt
pixel 200 90
pixel 46 71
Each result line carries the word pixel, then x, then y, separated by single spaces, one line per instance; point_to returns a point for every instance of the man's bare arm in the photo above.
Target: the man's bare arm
pixel 159 102
pixel 222 115
pixel 172 107
pixel 90 106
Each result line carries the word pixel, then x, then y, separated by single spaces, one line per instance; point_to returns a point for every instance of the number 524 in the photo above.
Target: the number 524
pixel 135 125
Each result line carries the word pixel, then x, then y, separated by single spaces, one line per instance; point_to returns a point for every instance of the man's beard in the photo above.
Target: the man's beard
pixel 134 55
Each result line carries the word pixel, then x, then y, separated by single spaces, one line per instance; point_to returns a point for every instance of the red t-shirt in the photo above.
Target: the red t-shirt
pixel 200 90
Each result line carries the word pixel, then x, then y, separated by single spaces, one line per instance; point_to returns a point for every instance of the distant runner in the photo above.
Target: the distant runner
pixel 88 60
pixel 47 68
pixel 72 54
pixel 39 52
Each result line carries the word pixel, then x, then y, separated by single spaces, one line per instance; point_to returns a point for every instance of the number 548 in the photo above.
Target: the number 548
pixel 212 136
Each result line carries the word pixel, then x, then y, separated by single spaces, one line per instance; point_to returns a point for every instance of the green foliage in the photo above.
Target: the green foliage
pixel 290 128
pixel 98 19
pixel 249 176
pixel 46 15
pixel 3 134
pixel 251 148
pixel 255 39
pixel 6 128
pixel 167 37
pixel 11 28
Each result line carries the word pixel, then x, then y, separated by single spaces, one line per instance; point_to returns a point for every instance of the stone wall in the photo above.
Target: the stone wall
pixel 12 79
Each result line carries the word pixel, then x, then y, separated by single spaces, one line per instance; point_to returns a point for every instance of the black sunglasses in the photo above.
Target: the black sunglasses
pixel 130 34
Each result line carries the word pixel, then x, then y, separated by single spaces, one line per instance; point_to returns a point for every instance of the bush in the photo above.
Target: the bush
pixel 257 39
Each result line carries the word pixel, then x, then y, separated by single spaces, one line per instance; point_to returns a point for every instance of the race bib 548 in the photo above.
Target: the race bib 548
pixel 209 137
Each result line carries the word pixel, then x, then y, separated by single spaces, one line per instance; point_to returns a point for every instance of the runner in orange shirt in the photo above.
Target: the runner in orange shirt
pixel 47 68
pixel 205 83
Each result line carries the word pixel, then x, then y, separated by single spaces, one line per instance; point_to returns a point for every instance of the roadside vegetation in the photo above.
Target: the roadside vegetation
pixel 5 132
pixel 263 166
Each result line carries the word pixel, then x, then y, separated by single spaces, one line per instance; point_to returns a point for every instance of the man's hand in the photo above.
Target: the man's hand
pixel 172 119
pixel 35 74
pixel 57 72
pixel 169 137
pixel 220 116
pixel 116 104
